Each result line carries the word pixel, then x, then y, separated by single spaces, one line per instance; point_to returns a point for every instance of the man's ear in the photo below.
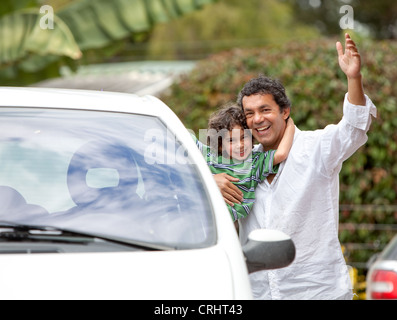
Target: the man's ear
pixel 286 113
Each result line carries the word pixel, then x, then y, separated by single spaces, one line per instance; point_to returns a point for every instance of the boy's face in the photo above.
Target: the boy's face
pixel 265 119
pixel 237 143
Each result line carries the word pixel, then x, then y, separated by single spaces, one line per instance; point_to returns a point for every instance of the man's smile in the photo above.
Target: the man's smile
pixel 262 129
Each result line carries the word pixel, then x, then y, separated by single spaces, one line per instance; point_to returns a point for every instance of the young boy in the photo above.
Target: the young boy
pixel 229 151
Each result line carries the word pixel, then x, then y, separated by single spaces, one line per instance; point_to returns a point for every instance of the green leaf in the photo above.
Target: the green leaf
pixel 80 25
pixel 9 6
pixel 96 24
pixel 24 33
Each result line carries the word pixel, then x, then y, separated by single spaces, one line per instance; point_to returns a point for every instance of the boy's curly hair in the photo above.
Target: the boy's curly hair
pixel 222 121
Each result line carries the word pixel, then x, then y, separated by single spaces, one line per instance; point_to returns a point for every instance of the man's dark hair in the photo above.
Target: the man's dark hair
pixel 264 85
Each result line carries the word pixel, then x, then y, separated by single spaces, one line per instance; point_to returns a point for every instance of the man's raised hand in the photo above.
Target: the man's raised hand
pixel 350 60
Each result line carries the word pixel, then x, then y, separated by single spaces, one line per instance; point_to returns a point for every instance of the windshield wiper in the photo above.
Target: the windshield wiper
pixel 10 231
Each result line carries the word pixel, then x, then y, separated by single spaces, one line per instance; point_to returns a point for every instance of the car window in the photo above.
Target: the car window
pixel 390 252
pixel 119 174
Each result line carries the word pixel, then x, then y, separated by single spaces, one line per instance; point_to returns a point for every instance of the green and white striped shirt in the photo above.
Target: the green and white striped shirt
pixel 253 170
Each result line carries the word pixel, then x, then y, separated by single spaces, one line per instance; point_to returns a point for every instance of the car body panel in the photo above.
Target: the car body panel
pixel 191 274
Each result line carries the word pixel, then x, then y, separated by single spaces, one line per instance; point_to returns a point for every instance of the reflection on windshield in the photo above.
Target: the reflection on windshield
pixel 98 172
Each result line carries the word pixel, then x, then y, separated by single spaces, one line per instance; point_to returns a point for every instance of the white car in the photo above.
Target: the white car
pixel 105 196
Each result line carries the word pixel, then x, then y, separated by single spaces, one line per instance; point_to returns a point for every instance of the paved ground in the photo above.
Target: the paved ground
pixel 147 77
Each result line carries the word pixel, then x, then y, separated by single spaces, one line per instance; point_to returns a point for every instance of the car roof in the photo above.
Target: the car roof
pixel 91 100
pixel 82 100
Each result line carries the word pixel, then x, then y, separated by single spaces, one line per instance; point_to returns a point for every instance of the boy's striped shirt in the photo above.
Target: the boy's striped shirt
pixel 253 170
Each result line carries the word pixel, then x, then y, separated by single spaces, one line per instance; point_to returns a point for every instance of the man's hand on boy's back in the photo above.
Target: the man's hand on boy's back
pixel 231 193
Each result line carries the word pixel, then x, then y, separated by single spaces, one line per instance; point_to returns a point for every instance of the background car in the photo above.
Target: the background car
pixel 382 274
pixel 106 196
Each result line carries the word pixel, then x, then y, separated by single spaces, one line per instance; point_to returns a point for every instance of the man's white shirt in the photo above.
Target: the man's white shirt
pixel 303 202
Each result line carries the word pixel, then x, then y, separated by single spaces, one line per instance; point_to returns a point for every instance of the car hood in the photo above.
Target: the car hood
pixel 189 274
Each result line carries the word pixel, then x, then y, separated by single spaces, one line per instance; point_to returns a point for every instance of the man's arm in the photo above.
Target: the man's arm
pixel 339 142
pixel 350 63
pixel 231 194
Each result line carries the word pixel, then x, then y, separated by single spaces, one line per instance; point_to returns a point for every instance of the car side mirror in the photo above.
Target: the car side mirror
pixel 268 249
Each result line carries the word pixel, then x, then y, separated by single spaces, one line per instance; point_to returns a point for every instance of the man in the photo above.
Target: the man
pixel 302 199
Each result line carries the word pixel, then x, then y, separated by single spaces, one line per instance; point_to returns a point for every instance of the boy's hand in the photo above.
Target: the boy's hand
pixel 350 60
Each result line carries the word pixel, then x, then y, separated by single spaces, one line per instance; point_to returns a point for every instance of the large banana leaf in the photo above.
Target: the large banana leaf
pixel 96 23
pixel 79 25
pixel 22 37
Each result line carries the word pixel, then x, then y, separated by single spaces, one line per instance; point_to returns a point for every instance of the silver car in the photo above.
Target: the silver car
pixel 105 196
pixel 382 274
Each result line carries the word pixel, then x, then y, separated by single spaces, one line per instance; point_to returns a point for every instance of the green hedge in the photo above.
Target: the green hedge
pixel 316 87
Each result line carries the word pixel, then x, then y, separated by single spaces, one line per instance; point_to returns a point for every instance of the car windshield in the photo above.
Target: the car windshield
pixel 122 175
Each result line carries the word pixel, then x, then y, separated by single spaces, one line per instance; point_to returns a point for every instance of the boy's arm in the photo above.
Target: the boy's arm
pixel 285 144
pixel 350 63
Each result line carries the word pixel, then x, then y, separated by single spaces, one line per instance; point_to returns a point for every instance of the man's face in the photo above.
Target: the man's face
pixel 265 119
